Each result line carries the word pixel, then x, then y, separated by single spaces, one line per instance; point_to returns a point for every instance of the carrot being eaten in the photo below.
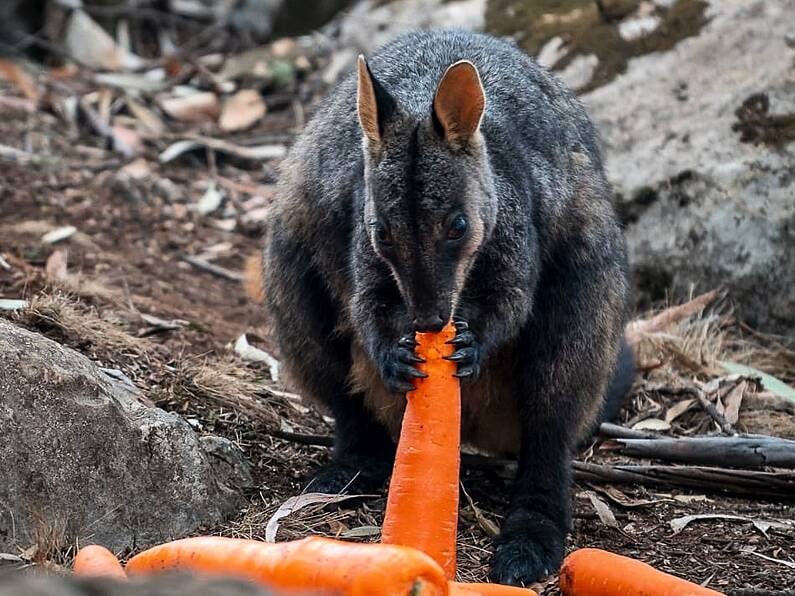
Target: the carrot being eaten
pixel 422 506
pixel 98 561
pixel 315 563
pixel 595 572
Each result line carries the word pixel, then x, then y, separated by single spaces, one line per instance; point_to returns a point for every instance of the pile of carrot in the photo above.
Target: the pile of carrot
pixel 417 556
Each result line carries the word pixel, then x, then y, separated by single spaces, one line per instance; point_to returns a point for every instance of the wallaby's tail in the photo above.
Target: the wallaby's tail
pixel 252 277
pixel 620 383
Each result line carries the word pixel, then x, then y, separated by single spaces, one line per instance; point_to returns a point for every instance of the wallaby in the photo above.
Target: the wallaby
pixel 451 176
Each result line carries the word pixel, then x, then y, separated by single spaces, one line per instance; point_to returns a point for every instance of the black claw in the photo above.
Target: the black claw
pixel 462 339
pixel 407 342
pixel 464 373
pixel 411 372
pixel 461 325
pixel 410 358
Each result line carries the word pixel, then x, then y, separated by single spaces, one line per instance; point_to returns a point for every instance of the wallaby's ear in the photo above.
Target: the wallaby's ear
pixel 373 104
pixel 459 103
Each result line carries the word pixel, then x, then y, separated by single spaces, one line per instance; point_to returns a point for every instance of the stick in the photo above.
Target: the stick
pixel 710 409
pixel 303 439
pixel 216 270
pixel 614 431
pixel 742 482
pixel 753 453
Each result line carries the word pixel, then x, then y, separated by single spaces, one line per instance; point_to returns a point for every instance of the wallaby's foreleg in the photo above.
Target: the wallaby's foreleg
pixel 317 359
pixel 566 353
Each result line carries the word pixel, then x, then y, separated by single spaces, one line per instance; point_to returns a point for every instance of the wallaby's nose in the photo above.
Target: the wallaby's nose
pixel 429 323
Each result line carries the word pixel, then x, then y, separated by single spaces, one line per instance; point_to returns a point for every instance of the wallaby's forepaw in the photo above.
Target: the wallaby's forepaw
pixel 528 548
pixel 467 353
pixel 398 365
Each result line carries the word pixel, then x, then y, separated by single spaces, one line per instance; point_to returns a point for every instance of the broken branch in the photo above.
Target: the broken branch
pixel 748 452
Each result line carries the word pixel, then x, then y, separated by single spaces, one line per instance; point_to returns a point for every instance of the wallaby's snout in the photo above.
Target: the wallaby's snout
pixel 429 323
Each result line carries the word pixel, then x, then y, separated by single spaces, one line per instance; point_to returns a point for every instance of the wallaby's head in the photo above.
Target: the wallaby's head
pixel 430 203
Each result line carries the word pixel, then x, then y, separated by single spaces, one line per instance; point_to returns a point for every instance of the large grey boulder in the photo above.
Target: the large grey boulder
pixel 82 458
pixel 704 208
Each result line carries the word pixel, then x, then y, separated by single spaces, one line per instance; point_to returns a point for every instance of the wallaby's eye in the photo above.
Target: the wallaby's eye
pixel 382 234
pixel 458 228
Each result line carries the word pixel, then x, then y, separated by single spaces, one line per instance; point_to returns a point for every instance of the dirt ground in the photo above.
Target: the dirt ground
pixel 125 264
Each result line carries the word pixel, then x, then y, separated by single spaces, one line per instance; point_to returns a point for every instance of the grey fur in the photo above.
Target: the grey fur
pixel 543 286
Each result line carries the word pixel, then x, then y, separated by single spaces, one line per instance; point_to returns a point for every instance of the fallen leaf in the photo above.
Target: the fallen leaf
pixel 296 503
pixel 211 200
pixel 602 510
pixel 11 304
pixel 248 352
pixel 157 324
pixel 14 74
pixel 242 110
pixel 361 532
pixel 680 523
pixel 58 234
pixel 89 44
pixel 623 500
pixel 56 265
pixel 678 409
pixel 769 382
pixel 732 402
pixel 652 424
pixel 690 498
pixel 201 106
pixel 148 82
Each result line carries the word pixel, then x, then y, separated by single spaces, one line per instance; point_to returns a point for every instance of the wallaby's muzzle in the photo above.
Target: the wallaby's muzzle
pixel 429 323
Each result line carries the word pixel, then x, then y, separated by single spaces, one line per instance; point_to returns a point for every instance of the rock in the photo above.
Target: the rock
pixel 703 208
pixel 372 23
pixel 164 585
pixel 85 460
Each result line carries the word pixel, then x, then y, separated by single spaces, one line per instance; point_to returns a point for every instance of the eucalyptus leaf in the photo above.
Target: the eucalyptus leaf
pixel 769 382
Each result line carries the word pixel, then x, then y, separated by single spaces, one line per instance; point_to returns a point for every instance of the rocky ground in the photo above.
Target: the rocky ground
pixel 128 215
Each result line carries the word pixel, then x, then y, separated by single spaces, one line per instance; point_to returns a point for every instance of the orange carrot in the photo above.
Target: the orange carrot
pixel 422 506
pixel 465 589
pixel 98 561
pixel 315 563
pixel 595 572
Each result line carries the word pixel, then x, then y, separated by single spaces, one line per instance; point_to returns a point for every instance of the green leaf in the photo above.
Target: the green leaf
pixel 769 382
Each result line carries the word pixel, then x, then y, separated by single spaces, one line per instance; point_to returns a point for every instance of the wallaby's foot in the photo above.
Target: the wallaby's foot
pixel 398 365
pixel 467 353
pixel 529 547
pixel 353 477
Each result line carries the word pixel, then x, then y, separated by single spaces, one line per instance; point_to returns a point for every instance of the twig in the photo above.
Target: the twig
pixel 710 409
pixel 614 431
pixel 303 439
pixel 637 329
pixel 212 268
pixel 749 452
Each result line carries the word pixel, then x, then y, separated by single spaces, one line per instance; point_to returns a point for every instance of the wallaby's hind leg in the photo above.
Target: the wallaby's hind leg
pixel 317 361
